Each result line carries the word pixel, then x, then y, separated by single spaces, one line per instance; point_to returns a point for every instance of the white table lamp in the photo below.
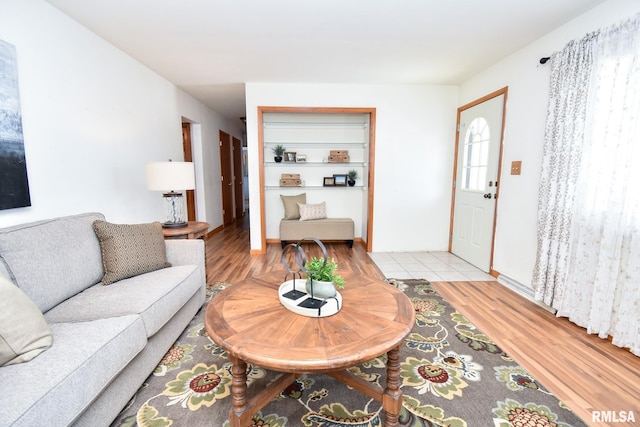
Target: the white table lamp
pixel 172 178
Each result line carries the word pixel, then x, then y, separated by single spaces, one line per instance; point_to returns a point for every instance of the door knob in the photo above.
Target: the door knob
pixel 487 196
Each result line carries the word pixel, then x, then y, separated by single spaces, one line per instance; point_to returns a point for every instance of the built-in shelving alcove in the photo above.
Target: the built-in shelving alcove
pixel 310 135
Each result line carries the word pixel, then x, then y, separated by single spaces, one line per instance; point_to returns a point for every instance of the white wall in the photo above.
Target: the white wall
pixel 415 136
pixel 528 82
pixel 92 118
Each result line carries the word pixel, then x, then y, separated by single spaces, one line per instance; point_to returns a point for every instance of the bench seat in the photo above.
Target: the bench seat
pixel 292 230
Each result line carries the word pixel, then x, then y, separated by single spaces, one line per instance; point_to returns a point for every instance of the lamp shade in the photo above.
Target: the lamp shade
pixel 170 176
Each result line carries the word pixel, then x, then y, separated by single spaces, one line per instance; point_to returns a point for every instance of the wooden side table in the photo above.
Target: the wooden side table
pixel 193 230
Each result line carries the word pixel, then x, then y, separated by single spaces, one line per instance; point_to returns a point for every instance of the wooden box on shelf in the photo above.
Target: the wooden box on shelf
pixel 290 180
pixel 339 156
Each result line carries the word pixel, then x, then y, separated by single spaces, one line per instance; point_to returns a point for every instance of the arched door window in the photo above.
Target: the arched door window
pixel 476 155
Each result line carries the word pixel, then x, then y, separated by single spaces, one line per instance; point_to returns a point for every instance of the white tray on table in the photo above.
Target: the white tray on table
pixel 318 307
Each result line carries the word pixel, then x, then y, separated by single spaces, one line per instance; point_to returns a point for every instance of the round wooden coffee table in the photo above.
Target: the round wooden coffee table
pixel 249 322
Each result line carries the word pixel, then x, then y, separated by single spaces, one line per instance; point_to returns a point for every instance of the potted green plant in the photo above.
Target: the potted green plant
pixel 351 177
pixel 324 277
pixel 278 151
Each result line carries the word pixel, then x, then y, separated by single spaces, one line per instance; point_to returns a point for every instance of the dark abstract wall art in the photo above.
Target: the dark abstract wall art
pixel 14 186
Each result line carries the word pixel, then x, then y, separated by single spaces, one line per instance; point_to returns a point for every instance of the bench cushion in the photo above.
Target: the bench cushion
pixel 323 229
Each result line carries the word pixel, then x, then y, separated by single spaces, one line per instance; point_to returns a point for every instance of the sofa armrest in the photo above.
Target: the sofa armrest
pixel 186 252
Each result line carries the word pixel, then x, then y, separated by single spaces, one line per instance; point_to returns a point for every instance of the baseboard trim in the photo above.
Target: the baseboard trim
pixel 523 290
pixel 214 231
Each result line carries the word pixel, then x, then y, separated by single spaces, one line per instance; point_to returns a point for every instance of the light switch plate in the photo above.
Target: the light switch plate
pixel 516 167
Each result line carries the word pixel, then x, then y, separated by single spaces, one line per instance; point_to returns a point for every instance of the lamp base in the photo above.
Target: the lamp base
pixel 174 224
pixel 174 210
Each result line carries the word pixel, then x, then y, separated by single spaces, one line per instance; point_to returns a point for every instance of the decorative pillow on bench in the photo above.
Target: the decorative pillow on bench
pixel 130 249
pixel 291 210
pixel 310 212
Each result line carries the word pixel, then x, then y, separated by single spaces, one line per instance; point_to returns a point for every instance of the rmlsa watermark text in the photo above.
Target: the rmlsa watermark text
pixel 613 417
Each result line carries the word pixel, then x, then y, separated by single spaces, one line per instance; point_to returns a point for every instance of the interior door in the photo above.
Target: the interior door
pixel 226 178
pixel 237 176
pixel 476 182
pixel 188 157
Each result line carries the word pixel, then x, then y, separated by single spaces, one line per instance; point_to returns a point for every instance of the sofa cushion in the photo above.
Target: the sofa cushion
pixel 63 381
pixel 155 296
pixel 311 212
pixel 24 333
pixel 54 259
pixel 291 210
pixel 130 249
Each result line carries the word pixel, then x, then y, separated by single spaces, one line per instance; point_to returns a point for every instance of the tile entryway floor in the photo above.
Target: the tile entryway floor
pixel 432 266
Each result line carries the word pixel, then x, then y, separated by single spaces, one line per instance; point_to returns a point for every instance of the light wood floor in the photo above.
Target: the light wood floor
pixel 584 371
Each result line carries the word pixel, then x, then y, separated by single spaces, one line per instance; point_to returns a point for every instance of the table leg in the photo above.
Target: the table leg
pixel 238 391
pixel 392 397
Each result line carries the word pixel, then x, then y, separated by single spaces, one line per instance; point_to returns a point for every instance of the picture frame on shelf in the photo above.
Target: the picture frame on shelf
pixel 289 156
pixel 340 180
pixel 301 158
pixel 329 181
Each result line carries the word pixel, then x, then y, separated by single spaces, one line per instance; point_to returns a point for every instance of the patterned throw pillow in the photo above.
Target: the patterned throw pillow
pixel 130 249
pixel 310 212
pixel 290 203
pixel 24 333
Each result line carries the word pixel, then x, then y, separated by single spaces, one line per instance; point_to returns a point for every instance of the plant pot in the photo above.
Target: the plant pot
pixel 351 182
pixel 278 159
pixel 321 289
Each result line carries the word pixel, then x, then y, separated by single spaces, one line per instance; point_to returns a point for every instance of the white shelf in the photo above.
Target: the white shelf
pixel 312 125
pixel 316 187
pixel 316 144
pixel 313 164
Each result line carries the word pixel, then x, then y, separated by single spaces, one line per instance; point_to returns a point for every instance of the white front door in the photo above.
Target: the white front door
pixel 476 182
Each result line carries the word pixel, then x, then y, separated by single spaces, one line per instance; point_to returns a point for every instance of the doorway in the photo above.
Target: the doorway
pixel 188 157
pixel 226 178
pixel 238 177
pixel 476 180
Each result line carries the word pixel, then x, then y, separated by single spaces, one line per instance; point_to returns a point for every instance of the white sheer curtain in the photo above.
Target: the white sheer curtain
pixel 588 264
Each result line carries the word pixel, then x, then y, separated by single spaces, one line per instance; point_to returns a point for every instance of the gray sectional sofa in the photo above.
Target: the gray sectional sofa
pixel 106 339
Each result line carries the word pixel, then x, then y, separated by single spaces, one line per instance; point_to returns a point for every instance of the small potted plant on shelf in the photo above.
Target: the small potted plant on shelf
pixel 351 177
pixel 324 277
pixel 278 151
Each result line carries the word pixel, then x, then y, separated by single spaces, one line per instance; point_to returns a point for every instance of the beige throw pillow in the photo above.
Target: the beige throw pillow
pixel 310 212
pixel 130 249
pixel 290 203
pixel 24 332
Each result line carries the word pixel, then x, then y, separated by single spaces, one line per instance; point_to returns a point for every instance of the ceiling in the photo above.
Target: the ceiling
pixel 210 48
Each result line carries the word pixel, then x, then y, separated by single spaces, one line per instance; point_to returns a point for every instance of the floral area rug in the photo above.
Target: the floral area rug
pixel 452 375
